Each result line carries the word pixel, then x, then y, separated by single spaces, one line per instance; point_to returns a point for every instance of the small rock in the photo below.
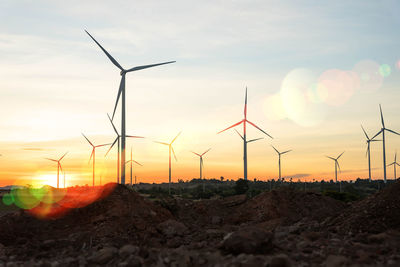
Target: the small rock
pixel 335 261
pixel 127 250
pixel 171 228
pixel 249 240
pixel 216 220
pixel 280 260
pixel 103 255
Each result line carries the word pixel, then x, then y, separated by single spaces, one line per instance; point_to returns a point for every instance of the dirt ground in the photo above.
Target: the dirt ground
pixel 278 228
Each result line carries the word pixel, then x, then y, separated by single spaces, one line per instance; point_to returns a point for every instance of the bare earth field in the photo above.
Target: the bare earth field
pixel 278 228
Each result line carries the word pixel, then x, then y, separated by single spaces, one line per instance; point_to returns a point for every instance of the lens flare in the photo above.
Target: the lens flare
pixel 302 97
pixel 273 108
pixel 385 70
pixel 398 64
pixel 48 202
pixel 369 75
pixel 339 85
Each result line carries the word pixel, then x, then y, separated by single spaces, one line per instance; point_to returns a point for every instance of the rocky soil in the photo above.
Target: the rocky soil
pixel 278 228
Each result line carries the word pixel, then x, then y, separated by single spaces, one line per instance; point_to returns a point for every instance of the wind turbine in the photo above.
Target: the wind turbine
pixel 94 153
pixel 244 121
pixel 382 131
pixel 58 168
pixel 121 92
pixel 279 154
pixel 201 161
pixel 132 161
pixel 368 153
pixel 394 163
pixel 117 141
pixel 170 148
pixel 336 164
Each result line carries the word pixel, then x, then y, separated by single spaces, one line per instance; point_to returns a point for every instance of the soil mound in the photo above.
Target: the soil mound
pixel 375 214
pixel 285 206
pixel 121 217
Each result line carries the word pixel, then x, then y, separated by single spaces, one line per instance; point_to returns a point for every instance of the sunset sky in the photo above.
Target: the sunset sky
pixel 314 73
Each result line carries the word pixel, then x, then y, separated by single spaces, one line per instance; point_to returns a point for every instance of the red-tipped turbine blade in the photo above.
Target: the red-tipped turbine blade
pixel 206 152
pixel 236 124
pixel 137 163
pixel 63 156
pixel 173 152
pixel 196 153
pixel 52 159
pixel 259 128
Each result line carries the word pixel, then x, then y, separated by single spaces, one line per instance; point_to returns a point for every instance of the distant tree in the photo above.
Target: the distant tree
pixel 241 186
pixel 255 179
pixel 222 178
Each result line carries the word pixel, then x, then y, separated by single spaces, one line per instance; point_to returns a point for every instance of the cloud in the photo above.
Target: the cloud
pixel 34 149
pixel 298 175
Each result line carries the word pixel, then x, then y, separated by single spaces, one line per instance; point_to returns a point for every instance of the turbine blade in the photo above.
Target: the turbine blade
pixel 161 143
pixel 383 123
pixel 137 163
pixel 245 104
pixel 173 140
pixel 148 66
pixel 287 151
pixel 374 140
pixel 376 134
pixel 397 164
pixel 126 162
pixel 196 153
pixel 173 152
pixel 104 145
pixel 52 159
pixel 259 128
pixel 91 155
pixel 88 140
pixel 338 166
pixel 275 149
pixel 252 140
pixel 63 156
pixel 392 131
pixel 116 139
pixel 236 124
pixel 390 164
pixel 115 129
pixel 121 88
pixel 60 166
pixel 105 52
pixel 330 158
pixel 239 134
pixel 366 135
pixel 206 151
pixel 340 155
pixel 134 136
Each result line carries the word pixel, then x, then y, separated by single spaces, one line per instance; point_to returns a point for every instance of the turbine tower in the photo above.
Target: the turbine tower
pixel 93 153
pixel 121 93
pixel 132 161
pixel 368 153
pixel 201 161
pixel 382 131
pixel 245 121
pixel 336 164
pixel 118 144
pixel 394 163
pixel 58 168
pixel 279 161
pixel 170 148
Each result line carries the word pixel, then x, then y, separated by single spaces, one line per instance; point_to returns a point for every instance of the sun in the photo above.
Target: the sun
pixel 46 179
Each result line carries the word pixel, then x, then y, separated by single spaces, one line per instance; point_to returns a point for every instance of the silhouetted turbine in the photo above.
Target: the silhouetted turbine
pixel 336 165
pixel 94 154
pixel 201 161
pixel 132 161
pixel 382 131
pixel 279 161
pixel 244 121
pixel 58 168
pixel 117 141
pixel 394 163
pixel 368 152
pixel 121 91
pixel 170 148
